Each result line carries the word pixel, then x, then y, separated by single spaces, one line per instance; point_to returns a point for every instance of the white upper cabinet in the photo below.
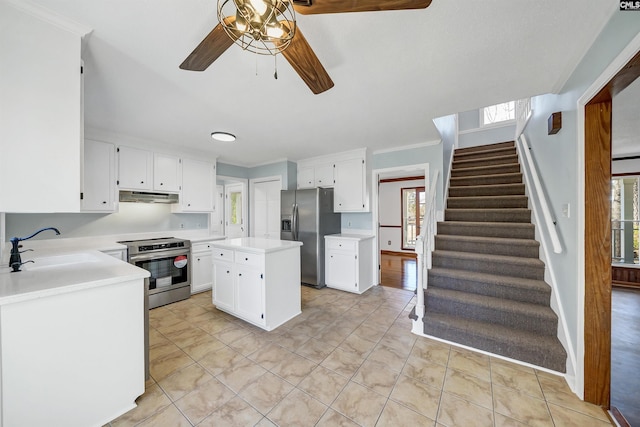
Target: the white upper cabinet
pixel 306 177
pixel 135 169
pixel 198 187
pixel 349 193
pixel 41 103
pixel 167 173
pixel 98 192
pixel 315 175
pixel 323 175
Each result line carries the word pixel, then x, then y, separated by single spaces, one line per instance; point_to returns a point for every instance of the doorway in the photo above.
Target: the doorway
pixel 265 207
pixel 235 212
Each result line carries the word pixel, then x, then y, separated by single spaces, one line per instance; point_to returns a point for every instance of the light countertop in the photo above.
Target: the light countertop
pixel 256 244
pixel 57 274
pixel 349 236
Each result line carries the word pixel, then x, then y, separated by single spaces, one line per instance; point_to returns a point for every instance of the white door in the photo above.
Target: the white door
pixel 235 202
pixel 266 209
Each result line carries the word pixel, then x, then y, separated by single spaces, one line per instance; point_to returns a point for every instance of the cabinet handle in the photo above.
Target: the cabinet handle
pixel 246 259
pixel 198 259
pixel 161 183
pixel 239 274
pixel 104 203
pixel 141 182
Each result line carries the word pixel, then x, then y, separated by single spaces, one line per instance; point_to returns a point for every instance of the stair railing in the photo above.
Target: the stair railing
pixel 530 169
pixel 425 243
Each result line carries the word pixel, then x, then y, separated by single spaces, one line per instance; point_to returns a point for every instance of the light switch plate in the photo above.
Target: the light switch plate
pixel 566 210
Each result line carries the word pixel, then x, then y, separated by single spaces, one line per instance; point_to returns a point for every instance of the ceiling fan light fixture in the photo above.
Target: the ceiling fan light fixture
pixel 265 27
pixel 223 136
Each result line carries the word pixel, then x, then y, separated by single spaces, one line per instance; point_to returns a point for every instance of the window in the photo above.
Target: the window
pixel 498 113
pixel 625 215
pixel 413 206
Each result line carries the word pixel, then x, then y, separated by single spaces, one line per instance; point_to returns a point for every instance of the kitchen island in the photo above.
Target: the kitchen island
pixel 257 280
pixel 71 340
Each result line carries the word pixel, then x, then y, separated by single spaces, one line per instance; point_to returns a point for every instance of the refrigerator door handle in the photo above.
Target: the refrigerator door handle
pixel 294 222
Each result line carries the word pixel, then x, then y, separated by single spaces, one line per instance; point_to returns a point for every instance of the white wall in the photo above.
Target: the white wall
pixel 390 213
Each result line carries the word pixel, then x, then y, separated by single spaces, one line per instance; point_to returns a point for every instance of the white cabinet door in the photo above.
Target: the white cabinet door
pixel 166 173
pixel 249 294
pixel 135 168
pixel 323 175
pixel 349 188
pixel 201 272
pixel 306 177
pixel 98 191
pixel 198 183
pixel 265 209
pixel 341 270
pixel 223 285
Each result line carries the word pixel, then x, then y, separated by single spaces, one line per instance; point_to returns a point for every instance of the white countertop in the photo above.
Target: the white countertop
pixel 349 236
pixel 57 274
pixel 256 244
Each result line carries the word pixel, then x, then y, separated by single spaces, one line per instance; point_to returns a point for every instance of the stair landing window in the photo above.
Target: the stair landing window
pixel 498 114
pixel 413 207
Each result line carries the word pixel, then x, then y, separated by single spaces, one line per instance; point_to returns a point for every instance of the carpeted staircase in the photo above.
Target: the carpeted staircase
pixel 486 286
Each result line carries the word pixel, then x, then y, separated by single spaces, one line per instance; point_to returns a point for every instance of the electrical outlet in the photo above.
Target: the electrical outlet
pixel 566 210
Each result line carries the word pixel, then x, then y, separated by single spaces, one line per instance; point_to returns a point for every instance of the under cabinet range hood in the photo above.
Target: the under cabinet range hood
pixel 147 197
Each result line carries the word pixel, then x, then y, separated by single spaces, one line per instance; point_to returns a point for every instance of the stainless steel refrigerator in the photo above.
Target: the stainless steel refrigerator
pixel 307 216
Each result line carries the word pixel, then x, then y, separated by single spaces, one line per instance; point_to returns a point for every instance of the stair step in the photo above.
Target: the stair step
pixel 493 285
pixel 527 248
pixel 481 308
pixel 540 350
pixel 488 215
pixel 515 230
pixel 528 268
pixel 482 202
pixel 487 190
pixel 475 180
pixel 484 153
pixel 477 148
pixel 484 161
pixel 485 170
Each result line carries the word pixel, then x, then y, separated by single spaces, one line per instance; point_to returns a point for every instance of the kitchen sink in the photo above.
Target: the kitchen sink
pixel 59 261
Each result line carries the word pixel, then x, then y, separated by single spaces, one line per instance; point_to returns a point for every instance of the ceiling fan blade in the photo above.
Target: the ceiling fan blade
pixel 342 6
pixel 209 49
pixel 306 63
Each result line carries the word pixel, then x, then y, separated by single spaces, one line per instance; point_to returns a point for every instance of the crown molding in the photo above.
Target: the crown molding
pixel 49 16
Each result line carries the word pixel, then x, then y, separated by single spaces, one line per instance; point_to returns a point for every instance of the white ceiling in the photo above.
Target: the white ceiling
pixel 393 72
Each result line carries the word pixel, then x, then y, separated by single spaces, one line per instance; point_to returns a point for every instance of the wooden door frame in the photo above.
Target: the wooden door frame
pixel 597 224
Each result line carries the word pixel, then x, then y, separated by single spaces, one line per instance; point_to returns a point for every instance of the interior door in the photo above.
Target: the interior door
pixel 235 199
pixel 266 209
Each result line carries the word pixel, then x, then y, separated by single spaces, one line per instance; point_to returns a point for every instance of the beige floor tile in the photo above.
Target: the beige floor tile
pixel 416 396
pixel 468 387
pixel 234 413
pixel 266 392
pixel 152 401
pixel 355 344
pixel 458 412
pixel 249 344
pixel 496 361
pixel 426 371
pixel 343 362
pixel 270 356
pixel 297 409
pixel 241 374
pixel 184 381
pixel 394 415
pixel 557 391
pixel 202 346
pixel 502 421
pixel 401 342
pixel 521 407
pixel 470 363
pixel 168 417
pixel 377 377
pixel 231 334
pixel 166 365
pixel 174 329
pixel 334 334
pixel 188 336
pixel 431 350
pixel 360 404
pixel 564 417
pixel 161 349
pixel 315 350
pixel 294 368
pixel 323 384
pixel 265 422
pixel 370 332
pixel 156 338
pixel 390 356
pixel 507 376
pixel 201 402
pixel 292 339
pixel 220 360
pixel 216 325
pixel 332 418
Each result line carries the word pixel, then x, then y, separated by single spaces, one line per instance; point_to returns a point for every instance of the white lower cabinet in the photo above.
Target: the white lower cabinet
pixel 349 262
pixel 260 282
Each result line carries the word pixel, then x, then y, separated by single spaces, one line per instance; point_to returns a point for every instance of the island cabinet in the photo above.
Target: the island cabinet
pixel 257 280
pixel 348 262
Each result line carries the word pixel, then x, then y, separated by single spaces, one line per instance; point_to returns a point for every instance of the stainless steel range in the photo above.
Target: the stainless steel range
pixel 168 261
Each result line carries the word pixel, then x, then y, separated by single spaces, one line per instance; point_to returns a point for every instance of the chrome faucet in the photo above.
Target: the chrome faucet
pixel 15 261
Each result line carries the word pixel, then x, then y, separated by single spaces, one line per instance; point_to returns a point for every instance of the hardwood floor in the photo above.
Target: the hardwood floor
pixel 398 270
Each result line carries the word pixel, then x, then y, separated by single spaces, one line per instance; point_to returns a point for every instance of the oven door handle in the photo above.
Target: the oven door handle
pixel 157 255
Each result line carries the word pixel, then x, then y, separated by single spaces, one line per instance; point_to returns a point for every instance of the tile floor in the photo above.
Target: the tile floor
pixel 347 360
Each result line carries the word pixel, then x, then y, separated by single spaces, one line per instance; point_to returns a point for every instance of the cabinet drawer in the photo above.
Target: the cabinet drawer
pixel 225 254
pixel 341 245
pixel 201 247
pixel 249 259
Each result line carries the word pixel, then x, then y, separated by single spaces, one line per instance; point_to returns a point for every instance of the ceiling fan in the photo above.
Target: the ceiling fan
pixel 288 38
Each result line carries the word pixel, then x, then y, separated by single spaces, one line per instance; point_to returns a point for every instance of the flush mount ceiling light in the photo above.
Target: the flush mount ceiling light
pixel 223 136
pixel 265 27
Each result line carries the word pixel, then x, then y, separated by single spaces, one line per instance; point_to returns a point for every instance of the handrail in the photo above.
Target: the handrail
pixel 549 223
pixel 425 243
